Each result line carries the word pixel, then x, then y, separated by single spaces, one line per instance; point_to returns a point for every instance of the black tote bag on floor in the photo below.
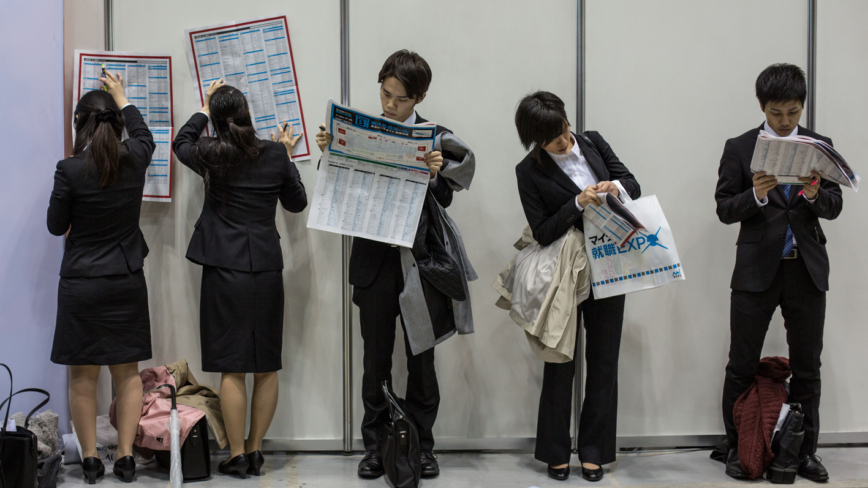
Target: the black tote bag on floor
pixel 18 455
pixel 402 459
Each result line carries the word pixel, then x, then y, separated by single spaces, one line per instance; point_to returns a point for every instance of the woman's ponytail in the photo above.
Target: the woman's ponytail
pixel 236 143
pixel 105 146
pixel 99 125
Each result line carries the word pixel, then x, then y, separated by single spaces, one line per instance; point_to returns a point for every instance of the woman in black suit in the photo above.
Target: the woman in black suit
pixel 236 242
pixel 559 178
pixel 102 299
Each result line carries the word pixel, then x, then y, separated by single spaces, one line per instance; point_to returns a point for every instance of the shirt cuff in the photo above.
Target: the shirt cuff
pixel 622 192
pixel 760 203
pixel 125 106
pixel 576 201
pixel 206 115
pixel 810 200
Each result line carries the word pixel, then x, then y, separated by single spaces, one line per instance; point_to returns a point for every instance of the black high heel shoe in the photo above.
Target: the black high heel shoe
pixel 592 474
pixel 125 468
pixel 237 466
pixel 256 460
pixel 92 468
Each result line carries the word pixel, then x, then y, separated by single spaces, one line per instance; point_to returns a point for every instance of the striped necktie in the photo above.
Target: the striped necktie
pixel 788 241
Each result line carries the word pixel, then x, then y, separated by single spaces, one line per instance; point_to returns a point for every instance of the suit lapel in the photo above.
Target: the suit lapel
pixel 550 168
pixel 592 156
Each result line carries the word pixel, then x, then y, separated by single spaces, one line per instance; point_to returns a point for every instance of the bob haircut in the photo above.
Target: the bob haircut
pixel 540 118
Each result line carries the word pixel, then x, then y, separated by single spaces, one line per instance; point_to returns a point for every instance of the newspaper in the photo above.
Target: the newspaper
pixel 147 85
pixel 789 158
pixel 613 218
pixel 372 177
pixel 254 56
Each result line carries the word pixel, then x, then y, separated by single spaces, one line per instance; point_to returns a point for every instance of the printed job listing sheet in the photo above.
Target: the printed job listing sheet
pixel 148 85
pixel 254 56
pixel 372 178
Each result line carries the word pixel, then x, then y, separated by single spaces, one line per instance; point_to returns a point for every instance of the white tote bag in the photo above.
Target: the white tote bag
pixel 647 260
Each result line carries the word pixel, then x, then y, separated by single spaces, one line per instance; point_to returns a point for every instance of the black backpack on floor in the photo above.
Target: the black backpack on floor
pixel 402 459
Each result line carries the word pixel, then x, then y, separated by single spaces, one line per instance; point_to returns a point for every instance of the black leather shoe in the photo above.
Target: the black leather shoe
pixel 733 466
pixel 430 468
pixel 812 469
pixel 592 474
pixel 255 461
pixel 92 468
pixel 371 466
pixel 125 468
pixel 560 474
pixel 236 466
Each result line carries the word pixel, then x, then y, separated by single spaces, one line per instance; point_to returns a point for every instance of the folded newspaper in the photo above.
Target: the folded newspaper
pixel 613 218
pixel 789 158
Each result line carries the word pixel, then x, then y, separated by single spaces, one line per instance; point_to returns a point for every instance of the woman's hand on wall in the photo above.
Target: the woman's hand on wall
pixel 285 137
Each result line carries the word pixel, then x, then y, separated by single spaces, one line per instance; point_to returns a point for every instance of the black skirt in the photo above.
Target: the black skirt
pixel 241 320
pixel 102 320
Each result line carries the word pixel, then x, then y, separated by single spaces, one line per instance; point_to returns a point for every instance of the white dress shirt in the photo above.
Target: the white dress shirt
pixel 574 165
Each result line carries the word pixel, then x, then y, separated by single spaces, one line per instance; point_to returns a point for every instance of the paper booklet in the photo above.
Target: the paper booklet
pixel 613 218
pixel 789 158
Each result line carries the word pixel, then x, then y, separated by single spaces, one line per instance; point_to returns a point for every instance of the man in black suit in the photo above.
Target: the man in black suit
pixel 781 261
pixel 378 280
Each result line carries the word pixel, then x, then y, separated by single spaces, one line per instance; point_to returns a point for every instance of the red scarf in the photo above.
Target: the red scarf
pixel 756 413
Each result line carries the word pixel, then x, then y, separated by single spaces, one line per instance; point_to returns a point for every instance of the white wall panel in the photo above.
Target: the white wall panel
pixel 842 102
pixel 668 82
pixel 485 55
pixel 310 382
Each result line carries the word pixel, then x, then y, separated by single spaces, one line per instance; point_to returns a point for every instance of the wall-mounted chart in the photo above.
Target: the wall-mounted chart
pixel 254 56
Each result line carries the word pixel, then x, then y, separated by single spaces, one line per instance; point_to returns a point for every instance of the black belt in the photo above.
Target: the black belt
pixel 794 254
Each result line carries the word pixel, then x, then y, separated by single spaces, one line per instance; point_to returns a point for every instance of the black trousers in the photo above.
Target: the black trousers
pixel 378 309
pixel 603 320
pixel 803 306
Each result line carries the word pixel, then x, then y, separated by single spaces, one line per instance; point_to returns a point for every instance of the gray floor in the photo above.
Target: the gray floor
pixel 848 468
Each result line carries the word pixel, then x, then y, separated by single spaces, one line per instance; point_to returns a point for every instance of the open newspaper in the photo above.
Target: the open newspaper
pixel 372 177
pixel 789 158
pixel 613 218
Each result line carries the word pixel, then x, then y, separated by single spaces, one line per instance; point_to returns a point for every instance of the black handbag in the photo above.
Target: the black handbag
pixel 786 445
pixel 18 454
pixel 402 459
pixel 195 454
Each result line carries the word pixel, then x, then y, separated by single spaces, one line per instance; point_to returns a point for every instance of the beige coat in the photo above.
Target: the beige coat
pixel 205 398
pixel 542 287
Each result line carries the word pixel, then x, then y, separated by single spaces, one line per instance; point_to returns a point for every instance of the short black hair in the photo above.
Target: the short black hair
pixel 410 69
pixel 781 82
pixel 540 119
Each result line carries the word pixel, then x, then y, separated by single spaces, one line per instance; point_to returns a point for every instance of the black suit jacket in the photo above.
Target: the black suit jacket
pixel 548 195
pixel 105 238
pixel 763 229
pixel 367 255
pixel 236 229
